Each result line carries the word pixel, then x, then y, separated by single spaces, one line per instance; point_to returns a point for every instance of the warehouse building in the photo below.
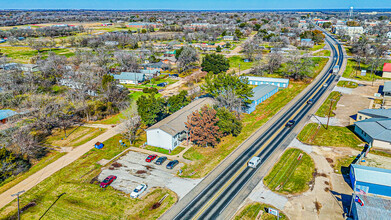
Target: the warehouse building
pixel 254 80
pixel 372 208
pixel 371 180
pixel 261 93
pixel 171 131
pixel 130 78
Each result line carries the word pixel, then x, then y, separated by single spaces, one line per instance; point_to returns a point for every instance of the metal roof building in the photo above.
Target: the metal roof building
pixel 280 82
pixel 130 77
pixel 169 132
pixel 261 93
pixel 374 208
pixel 371 180
pixel 5 114
pixel 375 128
pixel 387 88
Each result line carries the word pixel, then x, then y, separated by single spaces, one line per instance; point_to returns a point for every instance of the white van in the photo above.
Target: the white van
pixel 253 163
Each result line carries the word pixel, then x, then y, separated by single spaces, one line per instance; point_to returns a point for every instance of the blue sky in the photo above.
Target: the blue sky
pixel 193 4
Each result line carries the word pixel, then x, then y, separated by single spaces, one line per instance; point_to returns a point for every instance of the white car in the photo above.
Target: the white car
pixel 139 189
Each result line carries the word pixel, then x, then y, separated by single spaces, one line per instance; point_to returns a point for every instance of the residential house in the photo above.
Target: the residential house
pixel 149 74
pixel 386 70
pixel 306 43
pixel 280 82
pixel 171 131
pixel 130 78
pixel 170 53
pixel 228 38
pixel 154 66
pixel 142 25
pixel 111 43
pixel 5 114
pixel 374 126
pixel 260 94
pixel 387 89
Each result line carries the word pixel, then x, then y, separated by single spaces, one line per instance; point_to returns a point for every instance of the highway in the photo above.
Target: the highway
pixel 216 196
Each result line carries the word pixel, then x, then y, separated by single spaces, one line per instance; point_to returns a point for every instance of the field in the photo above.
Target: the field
pixel 352 71
pixel 323 110
pixel 235 61
pixel 341 165
pixel 23 54
pixel 84 199
pixel 251 211
pixel 347 84
pixel 334 136
pixel 291 175
pixel 76 136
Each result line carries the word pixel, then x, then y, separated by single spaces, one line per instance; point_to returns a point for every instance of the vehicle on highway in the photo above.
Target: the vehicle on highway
pixel 107 181
pixel 138 190
pixel 172 164
pixel 150 158
pixel 325 85
pixel 310 101
pixel 253 163
pixel 290 123
pixel 160 160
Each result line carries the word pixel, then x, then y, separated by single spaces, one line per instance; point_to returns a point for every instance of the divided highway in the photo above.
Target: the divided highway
pixel 215 197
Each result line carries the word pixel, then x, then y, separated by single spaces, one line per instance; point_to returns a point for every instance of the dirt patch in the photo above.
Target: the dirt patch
pixel 116 164
pixel 141 171
pixel 331 161
pixel 149 167
pixel 155 206
pixel 318 206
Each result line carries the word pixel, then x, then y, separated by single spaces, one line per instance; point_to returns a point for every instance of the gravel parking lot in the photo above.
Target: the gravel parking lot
pixel 131 170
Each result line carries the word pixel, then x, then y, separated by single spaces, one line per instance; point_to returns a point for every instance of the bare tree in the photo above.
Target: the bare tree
pixel 131 124
pixel 186 58
pixel 127 62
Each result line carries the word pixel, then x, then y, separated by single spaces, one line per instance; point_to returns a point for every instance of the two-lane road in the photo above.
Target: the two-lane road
pixel 216 196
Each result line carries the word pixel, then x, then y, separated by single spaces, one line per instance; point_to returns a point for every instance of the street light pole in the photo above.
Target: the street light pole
pixel 17 195
pixel 328 118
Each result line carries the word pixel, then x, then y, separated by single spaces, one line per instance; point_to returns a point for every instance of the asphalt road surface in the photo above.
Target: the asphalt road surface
pixel 215 197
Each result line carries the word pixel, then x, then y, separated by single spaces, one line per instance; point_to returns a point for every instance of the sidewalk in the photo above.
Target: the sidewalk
pixel 50 169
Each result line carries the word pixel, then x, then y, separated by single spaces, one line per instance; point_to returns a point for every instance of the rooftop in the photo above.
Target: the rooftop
pixel 261 90
pixel 175 123
pixel 387 67
pixel 6 113
pixel 373 175
pixel 387 87
pixel 374 208
pixel 376 128
pixel 129 76
pixel 377 113
pixel 267 79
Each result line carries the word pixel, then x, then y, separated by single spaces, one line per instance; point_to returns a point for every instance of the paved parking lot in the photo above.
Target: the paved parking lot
pixel 134 170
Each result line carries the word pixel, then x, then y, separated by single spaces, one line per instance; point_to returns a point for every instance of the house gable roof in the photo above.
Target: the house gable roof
pixel 387 67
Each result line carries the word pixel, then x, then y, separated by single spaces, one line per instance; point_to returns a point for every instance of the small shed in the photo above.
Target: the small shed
pixel 99 145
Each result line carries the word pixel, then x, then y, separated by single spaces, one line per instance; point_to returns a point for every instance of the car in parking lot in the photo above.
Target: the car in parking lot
pixel 107 181
pixel 160 160
pixel 138 190
pixel 290 123
pixel 150 158
pixel 172 164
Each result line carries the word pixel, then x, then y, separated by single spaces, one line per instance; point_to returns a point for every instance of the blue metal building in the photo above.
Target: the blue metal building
pixel 261 93
pixel 371 180
pixel 280 82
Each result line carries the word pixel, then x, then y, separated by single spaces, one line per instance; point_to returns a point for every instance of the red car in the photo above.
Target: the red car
pixel 150 158
pixel 107 181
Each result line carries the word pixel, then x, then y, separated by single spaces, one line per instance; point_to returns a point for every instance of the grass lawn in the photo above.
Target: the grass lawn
pixel 205 159
pixel 24 54
pixel 234 62
pixel 341 164
pixel 84 199
pixel 76 136
pixel 352 71
pixel 290 175
pixel 317 47
pixel 347 84
pixel 326 53
pixel 323 110
pixel 334 136
pixel 176 151
pixel 251 211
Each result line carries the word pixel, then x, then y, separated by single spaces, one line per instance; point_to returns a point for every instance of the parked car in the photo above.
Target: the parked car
pixel 150 158
pixel 163 84
pixel 290 123
pixel 160 160
pixel 310 101
pixel 138 190
pixel 172 164
pixel 107 181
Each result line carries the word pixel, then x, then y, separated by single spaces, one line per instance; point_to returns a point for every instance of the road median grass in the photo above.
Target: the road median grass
pixel 323 110
pixel 292 173
pixel 84 199
pixel 250 212
pixel 347 84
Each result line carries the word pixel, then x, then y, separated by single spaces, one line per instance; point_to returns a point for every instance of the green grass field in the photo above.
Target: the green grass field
pixel 341 164
pixel 334 136
pixel 84 199
pixel 290 175
pixel 326 53
pixel 347 84
pixel 234 62
pixel 317 47
pixel 176 151
pixel 323 110
pixel 24 54
pixel 352 71
pixel 251 211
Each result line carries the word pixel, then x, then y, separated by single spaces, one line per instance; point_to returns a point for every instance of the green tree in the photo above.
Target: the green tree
pixel 151 109
pixel 225 83
pixel 218 49
pixel 106 80
pixel 178 53
pixel 176 102
pixel 238 33
pixel 228 123
pixel 215 63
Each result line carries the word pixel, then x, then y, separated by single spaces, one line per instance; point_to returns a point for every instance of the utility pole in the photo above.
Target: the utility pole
pixel 328 118
pixel 17 195
pixel 58 197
